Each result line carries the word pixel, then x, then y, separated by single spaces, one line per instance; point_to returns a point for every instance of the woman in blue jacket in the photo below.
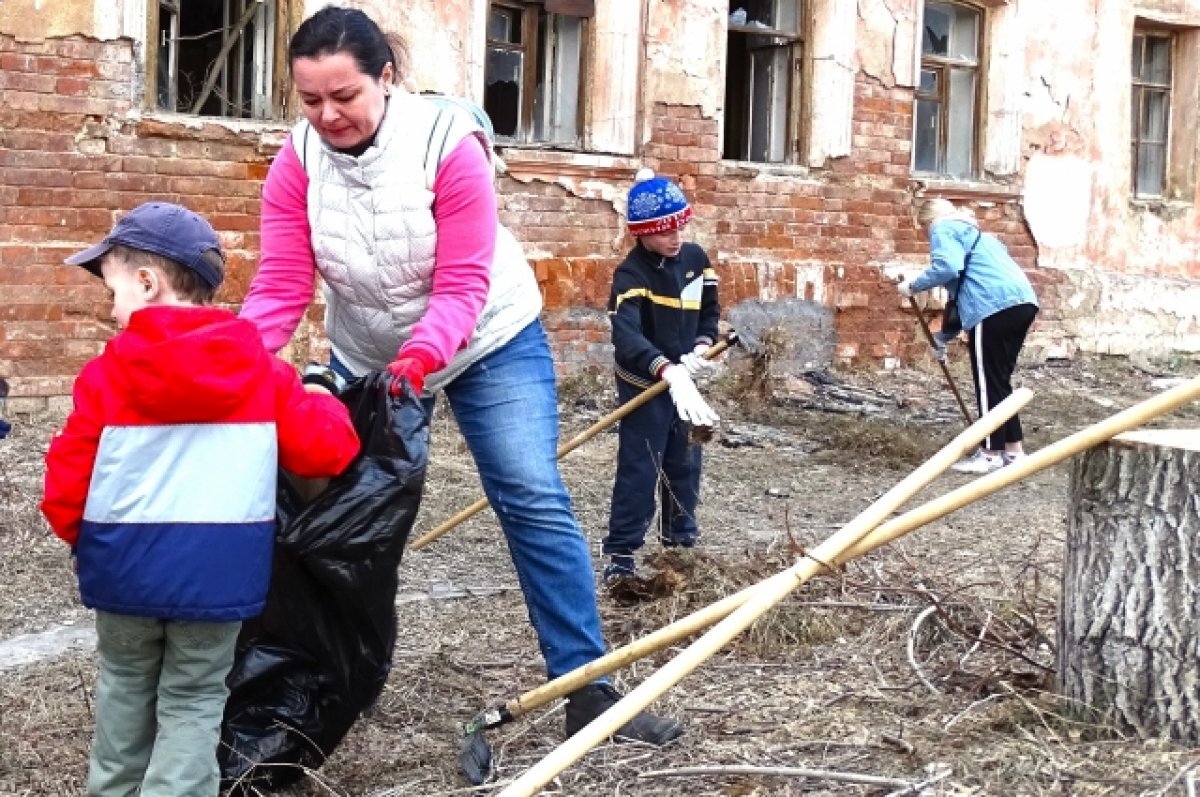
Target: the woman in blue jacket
pixel 997 306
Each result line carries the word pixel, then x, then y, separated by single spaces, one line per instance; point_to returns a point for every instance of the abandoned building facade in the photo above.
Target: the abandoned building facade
pixel 801 130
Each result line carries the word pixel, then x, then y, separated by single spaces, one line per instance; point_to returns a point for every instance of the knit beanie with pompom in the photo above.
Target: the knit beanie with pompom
pixel 656 205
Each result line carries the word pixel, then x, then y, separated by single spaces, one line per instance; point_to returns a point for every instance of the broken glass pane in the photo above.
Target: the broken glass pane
pixel 929 81
pixel 502 92
pixel 936 37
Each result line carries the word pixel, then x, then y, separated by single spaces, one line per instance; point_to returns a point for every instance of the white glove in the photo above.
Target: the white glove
pixel 904 289
pixel 688 402
pixel 695 363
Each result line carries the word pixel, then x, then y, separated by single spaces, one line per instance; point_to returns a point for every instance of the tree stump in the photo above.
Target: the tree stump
pixel 1129 625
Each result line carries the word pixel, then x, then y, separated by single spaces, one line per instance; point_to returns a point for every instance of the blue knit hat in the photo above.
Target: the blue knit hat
pixel 656 205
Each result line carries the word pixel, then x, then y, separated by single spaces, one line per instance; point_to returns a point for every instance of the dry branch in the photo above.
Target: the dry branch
pixel 783 772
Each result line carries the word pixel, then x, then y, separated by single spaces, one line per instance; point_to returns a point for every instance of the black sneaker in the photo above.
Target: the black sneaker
pixel 620 567
pixel 585 704
pixel 678 540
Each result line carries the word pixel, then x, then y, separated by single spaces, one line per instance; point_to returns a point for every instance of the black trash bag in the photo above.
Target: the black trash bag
pixel 320 653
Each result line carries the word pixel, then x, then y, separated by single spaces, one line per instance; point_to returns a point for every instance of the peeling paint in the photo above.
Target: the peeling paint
pixel 685 46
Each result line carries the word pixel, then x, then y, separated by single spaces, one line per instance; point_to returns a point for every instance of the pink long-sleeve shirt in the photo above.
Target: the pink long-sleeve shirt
pixel 464 209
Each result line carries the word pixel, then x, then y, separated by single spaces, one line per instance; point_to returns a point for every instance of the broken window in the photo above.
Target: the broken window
pixel 1151 112
pixel 762 56
pixel 532 71
pixel 947 97
pixel 214 57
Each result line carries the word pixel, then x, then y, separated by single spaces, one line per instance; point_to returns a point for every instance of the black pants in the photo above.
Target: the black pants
pixel 995 343
pixel 654 455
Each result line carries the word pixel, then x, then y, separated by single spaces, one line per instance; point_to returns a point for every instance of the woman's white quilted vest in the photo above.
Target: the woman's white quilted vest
pixel 374 240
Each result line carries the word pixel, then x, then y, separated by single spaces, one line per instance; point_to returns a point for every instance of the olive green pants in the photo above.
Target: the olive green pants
pixel 159 702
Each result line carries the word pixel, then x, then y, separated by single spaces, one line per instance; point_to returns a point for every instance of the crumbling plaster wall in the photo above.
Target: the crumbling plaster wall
pixel 37 19
pixel 1131 266
pixel 439 37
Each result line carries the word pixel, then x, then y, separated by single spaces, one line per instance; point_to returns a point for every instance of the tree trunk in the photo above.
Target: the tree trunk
pixel 1129 625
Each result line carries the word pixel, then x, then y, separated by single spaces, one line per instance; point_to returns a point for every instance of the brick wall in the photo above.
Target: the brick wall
pixel 819 235
pixel 70 163
pixel 72 159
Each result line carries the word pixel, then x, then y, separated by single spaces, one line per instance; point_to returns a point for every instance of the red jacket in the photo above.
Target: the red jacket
pixel 164 477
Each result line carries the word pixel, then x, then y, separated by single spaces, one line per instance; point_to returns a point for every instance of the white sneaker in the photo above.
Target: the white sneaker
pixel 1011 458
pixel 980 463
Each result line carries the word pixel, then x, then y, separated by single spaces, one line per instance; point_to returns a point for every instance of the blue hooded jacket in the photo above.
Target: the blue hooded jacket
pixel 993 282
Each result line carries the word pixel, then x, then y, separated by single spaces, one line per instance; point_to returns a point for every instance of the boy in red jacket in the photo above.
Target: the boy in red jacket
pixel 163 483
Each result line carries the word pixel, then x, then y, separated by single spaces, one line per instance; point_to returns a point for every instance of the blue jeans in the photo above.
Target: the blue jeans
pixel 654 455
pixel 506 406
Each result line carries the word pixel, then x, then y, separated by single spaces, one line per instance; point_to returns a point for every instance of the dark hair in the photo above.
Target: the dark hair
pixel 347 30
pixel 186 282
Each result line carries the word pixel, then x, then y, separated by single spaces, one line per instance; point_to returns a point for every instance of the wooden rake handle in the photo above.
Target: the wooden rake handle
pixel 966 413
pixel 575 442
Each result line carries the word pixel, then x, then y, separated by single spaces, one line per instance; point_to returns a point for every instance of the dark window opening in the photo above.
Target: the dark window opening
pixel 762 56
pixel 532 73
pixel 215 58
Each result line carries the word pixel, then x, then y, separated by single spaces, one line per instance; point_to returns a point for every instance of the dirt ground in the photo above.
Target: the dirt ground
pixel 826 682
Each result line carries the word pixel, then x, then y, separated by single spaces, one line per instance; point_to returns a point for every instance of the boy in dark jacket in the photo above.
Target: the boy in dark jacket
pixel 163 483
pixel 664 313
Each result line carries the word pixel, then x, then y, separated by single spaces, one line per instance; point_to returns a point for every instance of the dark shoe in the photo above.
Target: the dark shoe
pixel 679 540
pixel 619 568
pixel 591 701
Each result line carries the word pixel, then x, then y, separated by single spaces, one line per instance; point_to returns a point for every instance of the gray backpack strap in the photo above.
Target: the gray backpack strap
pixel 306 144
pixel 435 146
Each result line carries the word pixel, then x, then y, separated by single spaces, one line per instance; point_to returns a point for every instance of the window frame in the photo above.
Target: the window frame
pixel 533 49
pixel 943 66
pixel 1138 89
pixel 268 99
pixel 793 43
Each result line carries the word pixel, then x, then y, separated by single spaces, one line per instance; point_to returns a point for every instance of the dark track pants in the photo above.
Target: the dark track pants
pixel 995 343
pixel 654 455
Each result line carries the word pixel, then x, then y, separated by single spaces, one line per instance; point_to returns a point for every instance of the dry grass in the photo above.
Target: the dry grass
pixel 825 681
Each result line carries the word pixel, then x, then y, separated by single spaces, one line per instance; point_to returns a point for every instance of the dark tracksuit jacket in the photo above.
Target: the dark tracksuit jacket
pixel 660 308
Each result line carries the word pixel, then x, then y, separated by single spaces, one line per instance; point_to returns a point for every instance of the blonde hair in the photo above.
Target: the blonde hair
pixel 939 209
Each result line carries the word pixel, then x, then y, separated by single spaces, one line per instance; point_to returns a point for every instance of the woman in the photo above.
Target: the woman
pixel 996 305
pixel 389 196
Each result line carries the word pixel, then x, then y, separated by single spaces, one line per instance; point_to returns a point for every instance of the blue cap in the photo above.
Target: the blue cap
pixel 162 228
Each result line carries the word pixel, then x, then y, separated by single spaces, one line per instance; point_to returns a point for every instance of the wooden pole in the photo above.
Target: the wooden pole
pixel 870 517
pixel 867 519
pixel 912 300
pixel 843 545
pixel 575 442
pixel 1086 438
